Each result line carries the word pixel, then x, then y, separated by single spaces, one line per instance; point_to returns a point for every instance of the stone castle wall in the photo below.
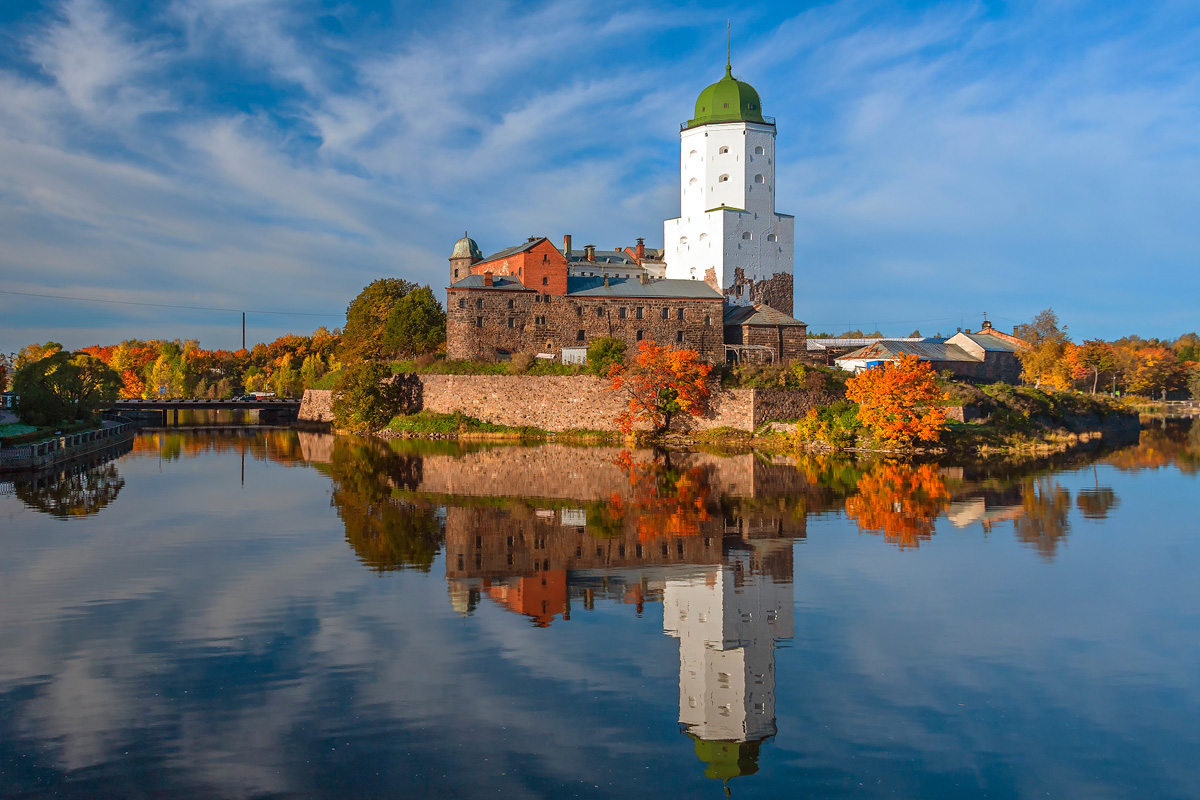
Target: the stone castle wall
pixel 566 402
pixel 482 322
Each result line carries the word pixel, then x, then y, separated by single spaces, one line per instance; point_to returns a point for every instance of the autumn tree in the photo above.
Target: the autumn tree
pixel 1193 382
pixel 34 352
pixel 416 325
pixel 661 383
pixel 1155 370
pixel 64 387
pixel 1097 356
pixel 603 354
pixel 367 316
pixel 899 402
pixel 1042 360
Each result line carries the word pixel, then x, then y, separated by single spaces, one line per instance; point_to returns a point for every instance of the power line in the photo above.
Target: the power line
pixel 168 305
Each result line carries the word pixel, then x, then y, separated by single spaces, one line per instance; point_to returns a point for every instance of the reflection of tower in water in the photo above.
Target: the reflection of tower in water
pixel 727 620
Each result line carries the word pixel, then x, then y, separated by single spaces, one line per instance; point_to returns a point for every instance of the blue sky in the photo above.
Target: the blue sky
pixel 941 159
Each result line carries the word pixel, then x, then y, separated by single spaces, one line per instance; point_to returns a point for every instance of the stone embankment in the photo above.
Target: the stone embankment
pixel 64 448
pixel 562 403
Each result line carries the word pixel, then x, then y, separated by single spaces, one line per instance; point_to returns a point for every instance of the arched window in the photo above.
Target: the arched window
pixel 683 241
pixel 723 151
pixel 772 237
pixel 703 237
pixel 723 179
pixel 692 155
pixel 758 179
pixel 691 183
pixel 545 281
pixel 747 235
pixel 758 151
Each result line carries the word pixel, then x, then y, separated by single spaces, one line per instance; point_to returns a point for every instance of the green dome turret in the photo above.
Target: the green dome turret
pixel 728 100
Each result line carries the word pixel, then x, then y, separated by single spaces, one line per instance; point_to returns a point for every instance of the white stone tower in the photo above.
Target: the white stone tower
pixel 728 233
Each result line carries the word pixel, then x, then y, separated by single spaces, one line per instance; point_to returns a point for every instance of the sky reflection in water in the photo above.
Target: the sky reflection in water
pixel 272 613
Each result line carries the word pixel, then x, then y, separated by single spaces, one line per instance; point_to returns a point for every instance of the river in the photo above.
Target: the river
pixel 262 612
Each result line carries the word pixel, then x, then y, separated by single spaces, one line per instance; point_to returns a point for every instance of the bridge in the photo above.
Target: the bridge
pixel 169 408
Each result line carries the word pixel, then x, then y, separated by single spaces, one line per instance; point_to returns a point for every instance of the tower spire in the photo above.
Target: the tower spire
pixel 728 47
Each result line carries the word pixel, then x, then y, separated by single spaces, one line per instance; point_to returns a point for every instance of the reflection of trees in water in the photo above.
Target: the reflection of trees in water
pixel 899 500
pixel 77 495
pixel 386 532
pixel 667 500
pixel 278 445
pixel 1173 443
pixel 1043 523
pixel 1096 501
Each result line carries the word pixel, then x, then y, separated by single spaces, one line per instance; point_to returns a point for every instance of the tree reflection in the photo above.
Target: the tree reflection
pixel 899 500
pixel 75 495
pixel 1096 501
pixel 385 531
pixel 1043 523
pixel 666 500
pixel 1174 443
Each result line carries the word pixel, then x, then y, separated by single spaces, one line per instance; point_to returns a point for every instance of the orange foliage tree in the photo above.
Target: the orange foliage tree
pixel 666 501
pixel 901 501
pixel 899 402
pixel 662 383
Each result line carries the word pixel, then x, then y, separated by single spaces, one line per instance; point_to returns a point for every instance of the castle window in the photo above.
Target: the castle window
pixel 666 312
pixel 639 312
pixel 510 303
pixel 579 335
pixel 679 337
pixel 723 179
pixel 512 323
pixel 747 235
pixel 455 274
pixel 579 311
pixel 723 150
pixel 545 281
pixel 479 303
pixel 599 312
pixel 640 334
pixel 537 298
pixel 682 241
pixel 707 320
pixel 680 314
pixel 758 179
pixel 772 237
pixel 479 322
pixel 545 298
pixel 462 303
pixel 758 151
pixel 621 312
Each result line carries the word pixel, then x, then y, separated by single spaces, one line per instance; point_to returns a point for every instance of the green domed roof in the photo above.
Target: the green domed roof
pixel 466 248
pixel 727 100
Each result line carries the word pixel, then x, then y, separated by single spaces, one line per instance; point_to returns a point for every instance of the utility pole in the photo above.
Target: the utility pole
pixel 243 330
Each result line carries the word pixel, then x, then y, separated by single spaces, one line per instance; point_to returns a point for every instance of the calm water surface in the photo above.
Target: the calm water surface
pixel 259 613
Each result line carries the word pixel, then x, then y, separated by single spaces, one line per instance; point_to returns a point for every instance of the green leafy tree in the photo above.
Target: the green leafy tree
pixel 416 325
pixel 367 316
pixel 603 354
pixel 164 378
pixel 5 371
pixel 362 401
pixel 64 387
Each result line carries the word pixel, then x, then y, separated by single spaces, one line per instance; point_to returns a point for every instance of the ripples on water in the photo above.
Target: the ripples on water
pixel 265 612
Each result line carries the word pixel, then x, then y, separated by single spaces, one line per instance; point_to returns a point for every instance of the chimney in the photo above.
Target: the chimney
pixel 642 277
pixel 606 279
pixel 532 239
pixel 567 245
pixel 1015 329
pixel 641 250
pixel 590 250
pixel 987 325
pixel 487 278
pixel 968 330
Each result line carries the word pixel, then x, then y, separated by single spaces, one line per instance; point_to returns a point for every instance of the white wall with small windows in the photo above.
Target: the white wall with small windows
pixel 727 215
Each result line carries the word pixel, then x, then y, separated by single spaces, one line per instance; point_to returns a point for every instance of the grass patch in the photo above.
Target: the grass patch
pixel 15 429
pixel 18 434
pixel 427 423
pixel 327 381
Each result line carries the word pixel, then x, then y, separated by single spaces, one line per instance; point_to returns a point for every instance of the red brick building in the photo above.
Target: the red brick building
pixel 536 298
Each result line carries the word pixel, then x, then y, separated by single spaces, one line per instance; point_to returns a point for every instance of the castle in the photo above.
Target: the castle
pixel 721 286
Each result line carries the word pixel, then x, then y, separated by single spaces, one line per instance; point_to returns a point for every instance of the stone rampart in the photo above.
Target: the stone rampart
pixel 316 406
pixel 567 402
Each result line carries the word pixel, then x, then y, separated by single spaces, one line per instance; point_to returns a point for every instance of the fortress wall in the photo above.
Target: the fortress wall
pixel 566 402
